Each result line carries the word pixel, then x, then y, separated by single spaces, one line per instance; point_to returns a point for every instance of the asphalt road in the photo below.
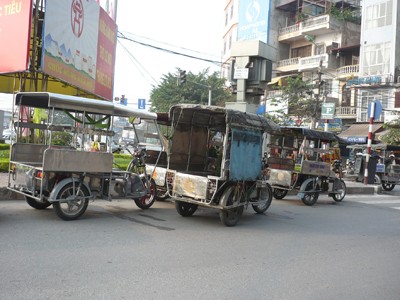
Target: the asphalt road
pixel 347 250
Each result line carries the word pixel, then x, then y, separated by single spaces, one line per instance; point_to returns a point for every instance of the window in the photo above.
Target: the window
pixel 301 51
pixel 226 19
pixel 367 97
pixel 377 59
pixel 232 11
pixel 379 15
pixel 319 49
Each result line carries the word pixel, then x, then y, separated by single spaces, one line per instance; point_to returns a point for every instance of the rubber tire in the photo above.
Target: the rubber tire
pixel 263 193
pixel 388 186
pixel 230 217
pixel 310 199
pixel 147 201
pixel 279 193
pixel 185 209
pixel 36 204
pixel 64 193
pixel 339 197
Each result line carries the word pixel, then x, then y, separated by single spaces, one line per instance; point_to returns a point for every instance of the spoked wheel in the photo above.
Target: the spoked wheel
pixel 279 193
pixel 264 194
pixel 36 203
pixel 147 201
pixel 339 186
pixel 310 198
pixel 232 195
pixel 388 186
pixel 73 203
pixel 185 209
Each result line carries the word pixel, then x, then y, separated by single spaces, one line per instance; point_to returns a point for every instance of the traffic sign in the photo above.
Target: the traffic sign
pixel 377 109
pixel 328 110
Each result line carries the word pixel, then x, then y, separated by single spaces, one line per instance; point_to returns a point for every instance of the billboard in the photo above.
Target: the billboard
pixel 15 27
pixel 79 42
pixel 253 23
pixel 110 6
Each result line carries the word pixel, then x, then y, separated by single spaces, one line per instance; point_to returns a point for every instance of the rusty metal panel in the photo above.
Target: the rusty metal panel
pixel 77 161
pixel 190 186
pixel 280 177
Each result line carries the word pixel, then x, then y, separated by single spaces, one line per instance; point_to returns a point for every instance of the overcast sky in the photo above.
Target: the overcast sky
pixel 173 24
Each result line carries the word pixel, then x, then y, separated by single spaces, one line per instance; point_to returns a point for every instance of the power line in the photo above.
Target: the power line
pixel 122 36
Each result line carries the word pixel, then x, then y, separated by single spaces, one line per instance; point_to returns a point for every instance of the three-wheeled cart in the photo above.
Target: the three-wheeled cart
pixel 382 168
pixel 63 153
pixel 302 159
pixel 215 161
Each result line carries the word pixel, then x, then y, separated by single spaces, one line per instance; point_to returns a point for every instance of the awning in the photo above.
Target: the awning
pixel 280 80
pixel 359 131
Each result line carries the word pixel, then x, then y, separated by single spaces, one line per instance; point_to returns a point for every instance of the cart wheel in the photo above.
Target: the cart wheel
pixel 147 201
pixel 310 198
pixel 264 194
pixel 388 186
pixel 36 203
pixel 279 193
pixel 185 209
pixel 71 208
pixel 230 217
pixel 339 185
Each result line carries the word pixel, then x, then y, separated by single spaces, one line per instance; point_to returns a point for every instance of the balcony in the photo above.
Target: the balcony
pixel 351 70
pixel 313 62
pixel 313 26
pixel 346 112
pixel 288 65
pixel 274 94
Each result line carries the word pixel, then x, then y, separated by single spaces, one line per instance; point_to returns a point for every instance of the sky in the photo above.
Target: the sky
pixel 191 27
pixel 178 25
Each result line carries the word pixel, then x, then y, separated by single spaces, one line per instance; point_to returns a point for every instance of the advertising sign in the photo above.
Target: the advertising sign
pixel 15 28
pixel 253 20
pixel 79 42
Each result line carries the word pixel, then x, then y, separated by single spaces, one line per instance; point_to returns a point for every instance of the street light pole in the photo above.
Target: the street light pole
pixel 209 90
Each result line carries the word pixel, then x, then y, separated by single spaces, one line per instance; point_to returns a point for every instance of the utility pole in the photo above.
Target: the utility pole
pixel 317 96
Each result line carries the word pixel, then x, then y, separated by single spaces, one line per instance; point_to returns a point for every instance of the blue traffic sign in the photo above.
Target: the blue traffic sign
pixel 377 109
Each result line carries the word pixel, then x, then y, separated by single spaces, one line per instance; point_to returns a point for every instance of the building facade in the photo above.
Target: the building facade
pixel 356 59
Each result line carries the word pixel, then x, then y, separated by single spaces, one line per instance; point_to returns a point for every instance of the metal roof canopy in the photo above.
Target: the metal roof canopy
pixel 361 130
pixel 46 100
pixel 214 116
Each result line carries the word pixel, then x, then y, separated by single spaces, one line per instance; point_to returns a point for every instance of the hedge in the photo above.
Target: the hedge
pixel 121 160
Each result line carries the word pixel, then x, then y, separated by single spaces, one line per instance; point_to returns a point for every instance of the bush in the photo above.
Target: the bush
pixel 121 160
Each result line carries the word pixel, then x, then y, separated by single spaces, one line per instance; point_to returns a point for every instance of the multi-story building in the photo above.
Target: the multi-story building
pixel 306 35
pixel 379 76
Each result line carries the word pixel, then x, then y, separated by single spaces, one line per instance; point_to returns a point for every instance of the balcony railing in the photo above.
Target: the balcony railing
pixel 311 62
pixel 348 111
pixel 347 70
pixel 274 94
pixel 288 62
pixel 308 25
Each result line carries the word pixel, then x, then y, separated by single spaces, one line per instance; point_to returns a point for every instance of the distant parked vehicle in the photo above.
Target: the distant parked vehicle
pixel 8 134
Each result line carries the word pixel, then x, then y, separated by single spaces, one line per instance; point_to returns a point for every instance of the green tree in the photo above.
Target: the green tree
pixel 392 136
pixel 195 90
pixel 297 96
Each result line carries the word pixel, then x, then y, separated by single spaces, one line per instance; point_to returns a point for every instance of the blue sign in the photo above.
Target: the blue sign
pixel 377 109
pixel 356 139
pixel 253 20
pixel 141 103
pixel 123 100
